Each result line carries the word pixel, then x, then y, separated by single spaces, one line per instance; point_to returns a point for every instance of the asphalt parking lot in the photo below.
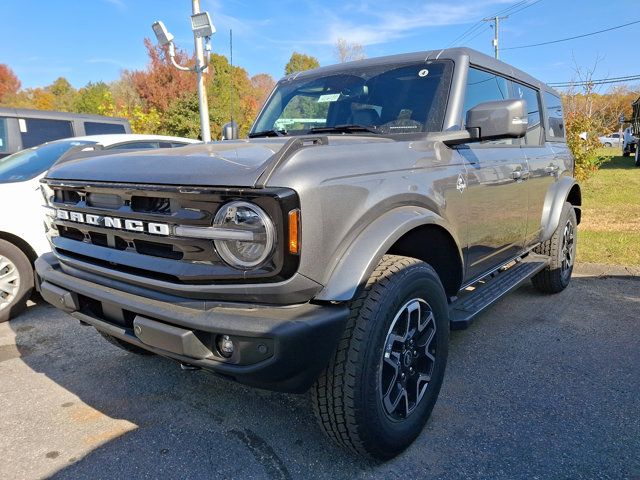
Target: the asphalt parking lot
pixel 538 387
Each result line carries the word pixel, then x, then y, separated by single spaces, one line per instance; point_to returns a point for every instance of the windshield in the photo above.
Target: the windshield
pixel 388 99
pixel 30 163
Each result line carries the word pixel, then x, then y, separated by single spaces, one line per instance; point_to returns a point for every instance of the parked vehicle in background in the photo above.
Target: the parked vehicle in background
pixel 22 233
pixel 22 128
pixel 635 128
pixel 336 257
pixel 629 142
pixel 611 140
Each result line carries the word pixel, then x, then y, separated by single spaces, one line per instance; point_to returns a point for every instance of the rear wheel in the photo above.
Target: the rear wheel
pixel 608 144
pixel 16 280
pixel 382 383
pixel 561 248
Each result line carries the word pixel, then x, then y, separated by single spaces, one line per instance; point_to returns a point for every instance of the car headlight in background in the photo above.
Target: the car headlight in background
pixel 246 217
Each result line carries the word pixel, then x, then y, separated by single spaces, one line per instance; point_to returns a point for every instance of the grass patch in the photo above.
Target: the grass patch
pixel 610 228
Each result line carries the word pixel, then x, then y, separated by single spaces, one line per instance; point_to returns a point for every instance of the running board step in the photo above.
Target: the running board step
pixel 484 293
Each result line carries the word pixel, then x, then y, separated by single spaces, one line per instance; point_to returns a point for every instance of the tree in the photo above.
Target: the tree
pixel 161 83
pixel 93 98
pixel 9 83
pixel 263 84
pixel 63 94
pixel 346 51
pixel 300 62
pixel 182 118
pixel 231 94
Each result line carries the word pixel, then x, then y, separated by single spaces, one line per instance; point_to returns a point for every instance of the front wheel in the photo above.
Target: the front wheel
pixel 382 383
pixel 16 280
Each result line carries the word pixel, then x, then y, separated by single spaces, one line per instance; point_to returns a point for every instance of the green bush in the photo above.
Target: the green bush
pixel 585 151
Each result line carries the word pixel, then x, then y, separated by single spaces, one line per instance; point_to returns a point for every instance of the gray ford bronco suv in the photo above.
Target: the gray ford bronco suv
pixel 376 205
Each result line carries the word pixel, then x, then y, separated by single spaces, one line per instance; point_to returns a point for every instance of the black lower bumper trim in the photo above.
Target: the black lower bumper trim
pixel 296 341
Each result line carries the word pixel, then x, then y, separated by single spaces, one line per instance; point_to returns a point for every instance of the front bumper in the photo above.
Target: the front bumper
pixel 281 348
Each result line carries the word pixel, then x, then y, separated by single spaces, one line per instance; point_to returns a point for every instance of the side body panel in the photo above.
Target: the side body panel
pixel 345 190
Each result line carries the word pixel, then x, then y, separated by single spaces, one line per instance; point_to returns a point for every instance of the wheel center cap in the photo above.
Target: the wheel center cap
pixel 408 359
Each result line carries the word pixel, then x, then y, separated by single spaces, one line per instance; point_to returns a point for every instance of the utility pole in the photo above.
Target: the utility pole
pixel 496 32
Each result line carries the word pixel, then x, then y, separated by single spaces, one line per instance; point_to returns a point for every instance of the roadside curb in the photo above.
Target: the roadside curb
pixel 604 270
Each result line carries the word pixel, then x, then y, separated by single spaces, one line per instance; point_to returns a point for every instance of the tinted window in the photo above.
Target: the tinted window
pixel 30 163
pixel 95 128
pixel 3 135
pixel 391 98
pixel 534 128
pixel 485 87
pixel 555 118
pixel 36 131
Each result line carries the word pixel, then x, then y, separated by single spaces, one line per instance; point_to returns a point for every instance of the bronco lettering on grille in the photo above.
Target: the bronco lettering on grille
pixel 115 223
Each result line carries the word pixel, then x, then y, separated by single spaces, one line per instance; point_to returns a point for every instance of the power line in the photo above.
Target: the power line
pixel 572 38
pixel 603 81
pixel 474 28
pixel 525 7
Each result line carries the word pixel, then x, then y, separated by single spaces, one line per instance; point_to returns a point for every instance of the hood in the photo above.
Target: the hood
pixel 238 163
pixel 230 163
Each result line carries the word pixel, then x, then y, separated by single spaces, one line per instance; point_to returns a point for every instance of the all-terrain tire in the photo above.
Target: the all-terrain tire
pixel 347 398
pixel 16 280
pixel 124 345
pixel 557 275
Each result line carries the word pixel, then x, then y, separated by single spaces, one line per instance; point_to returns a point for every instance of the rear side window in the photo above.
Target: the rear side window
pixel 534 128
pixel 3 135
pixel 36 131
pixel 97 128
pixel 555 118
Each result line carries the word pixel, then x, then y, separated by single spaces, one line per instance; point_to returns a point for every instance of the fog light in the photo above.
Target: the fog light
pixel 225 346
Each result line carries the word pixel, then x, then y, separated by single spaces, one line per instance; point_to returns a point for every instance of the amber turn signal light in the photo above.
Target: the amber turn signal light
pixel 294 232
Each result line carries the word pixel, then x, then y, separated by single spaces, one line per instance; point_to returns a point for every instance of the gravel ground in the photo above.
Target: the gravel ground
pixel 538 387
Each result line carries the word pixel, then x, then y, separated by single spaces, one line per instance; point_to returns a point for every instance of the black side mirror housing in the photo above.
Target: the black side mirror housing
pixel 230 131
pixel 499 119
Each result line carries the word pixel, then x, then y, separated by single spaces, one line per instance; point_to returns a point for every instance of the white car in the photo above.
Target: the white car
pixel 22 236
pixel 611 140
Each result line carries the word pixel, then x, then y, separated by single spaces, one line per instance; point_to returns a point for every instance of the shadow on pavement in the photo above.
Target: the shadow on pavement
pixel 538 386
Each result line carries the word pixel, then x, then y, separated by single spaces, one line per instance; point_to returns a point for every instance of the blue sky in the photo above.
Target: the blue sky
pixel 92 40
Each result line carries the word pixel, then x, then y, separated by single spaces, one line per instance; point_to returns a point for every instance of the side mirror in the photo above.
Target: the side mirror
pixel 499 119
pixel 230 131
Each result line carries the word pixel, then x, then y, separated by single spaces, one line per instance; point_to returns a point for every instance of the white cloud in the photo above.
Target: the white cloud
pixel 369 23
pixel 117 3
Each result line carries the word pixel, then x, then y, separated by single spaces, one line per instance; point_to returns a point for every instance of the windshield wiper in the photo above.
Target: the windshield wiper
pixel 268 133
pixel 345 129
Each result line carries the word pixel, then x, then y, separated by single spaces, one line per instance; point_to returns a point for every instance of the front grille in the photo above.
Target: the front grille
pixel 168 258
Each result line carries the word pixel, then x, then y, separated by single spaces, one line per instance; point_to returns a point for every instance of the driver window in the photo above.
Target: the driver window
pixel 485 87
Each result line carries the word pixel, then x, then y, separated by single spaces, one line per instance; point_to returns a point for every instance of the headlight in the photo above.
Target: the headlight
pixel 246 216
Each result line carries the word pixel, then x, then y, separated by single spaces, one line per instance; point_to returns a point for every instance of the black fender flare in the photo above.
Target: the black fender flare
pixel 553 203
pixel 365 252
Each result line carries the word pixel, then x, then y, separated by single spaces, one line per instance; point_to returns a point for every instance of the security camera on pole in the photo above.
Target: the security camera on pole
pixel 203 29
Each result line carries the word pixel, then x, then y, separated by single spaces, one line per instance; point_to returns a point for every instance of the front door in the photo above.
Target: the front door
pixel 496 189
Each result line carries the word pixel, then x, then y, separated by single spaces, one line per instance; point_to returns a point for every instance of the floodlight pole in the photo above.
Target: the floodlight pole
pixel 201 66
